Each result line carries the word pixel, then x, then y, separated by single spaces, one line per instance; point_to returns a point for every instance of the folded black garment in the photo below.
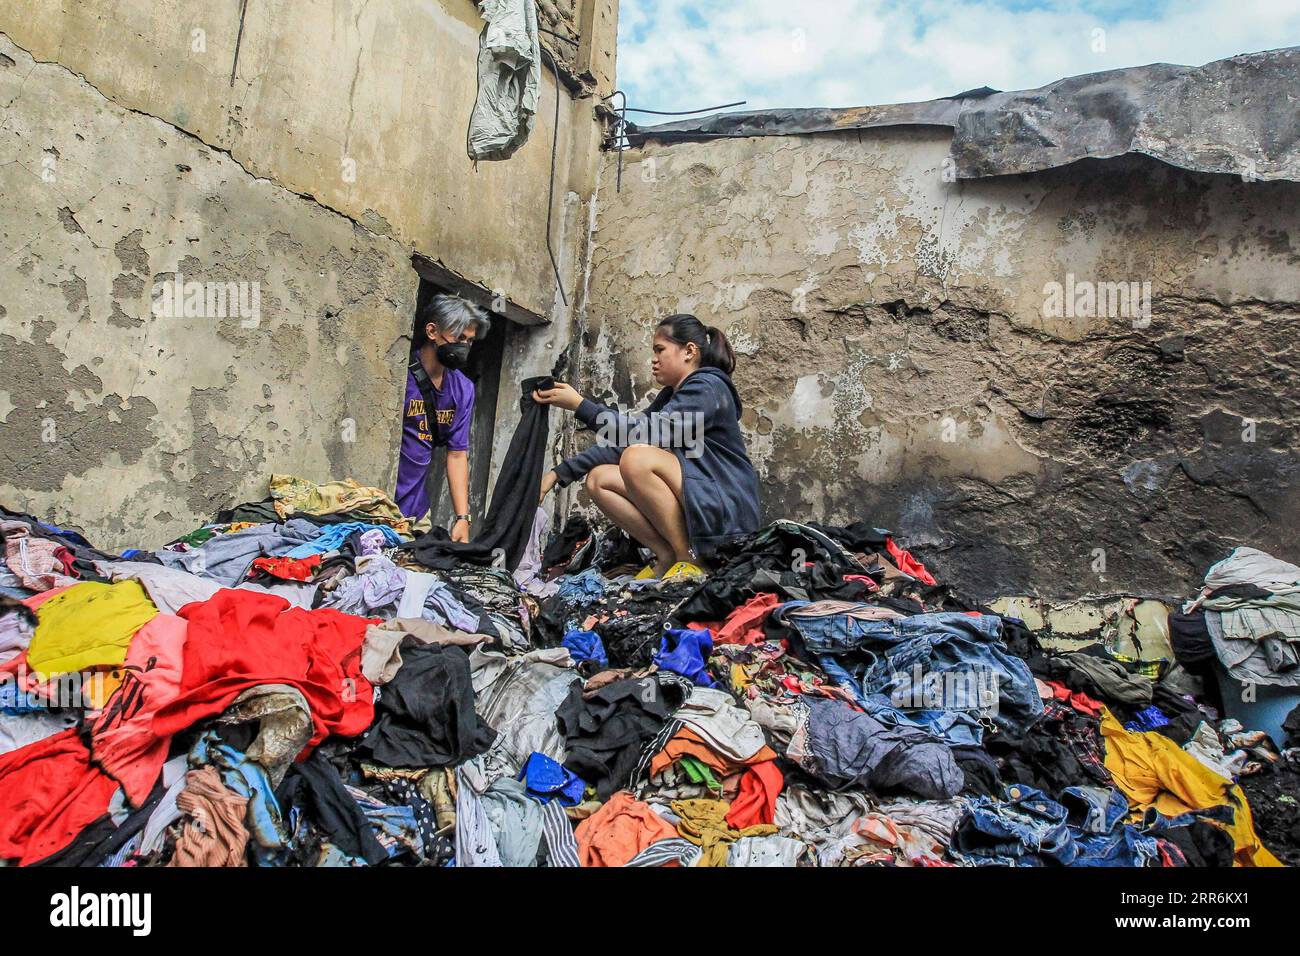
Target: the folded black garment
pixel 1244 591
pixel 425 715
pixel 564 544
pixel 859 536
pixel 604 737
pixel 316 789
pixel 1291 726
pixel 510 517
pixel 1190 638
pixel 776 549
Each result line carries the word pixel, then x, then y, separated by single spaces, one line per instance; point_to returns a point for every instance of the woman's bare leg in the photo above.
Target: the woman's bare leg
pixel 653 478
pixel 606 488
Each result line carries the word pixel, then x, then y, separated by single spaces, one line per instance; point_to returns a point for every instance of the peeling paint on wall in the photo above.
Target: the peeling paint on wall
pixel 138 426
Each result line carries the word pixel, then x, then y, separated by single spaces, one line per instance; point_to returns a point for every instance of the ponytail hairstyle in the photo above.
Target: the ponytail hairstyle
pixel 715 350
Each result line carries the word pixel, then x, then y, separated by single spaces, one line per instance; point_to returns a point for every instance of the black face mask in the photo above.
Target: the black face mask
pixel 453 354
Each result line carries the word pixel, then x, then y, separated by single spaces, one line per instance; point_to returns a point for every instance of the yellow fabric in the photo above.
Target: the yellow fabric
pixel 645 574
pixel 88 626
pixel 1153 771
pixel 292 495
pixel 739 677
pixel 704 823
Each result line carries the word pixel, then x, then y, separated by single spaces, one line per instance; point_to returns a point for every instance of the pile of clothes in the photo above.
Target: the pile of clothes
pixel 289 685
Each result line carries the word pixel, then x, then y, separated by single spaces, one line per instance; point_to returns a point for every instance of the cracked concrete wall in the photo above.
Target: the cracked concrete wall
pixel 137 426
pixel 134 144
pixel 361 106
pixel 897 364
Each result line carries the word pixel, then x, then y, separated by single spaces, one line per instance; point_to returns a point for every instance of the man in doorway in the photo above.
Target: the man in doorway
pixel 439 407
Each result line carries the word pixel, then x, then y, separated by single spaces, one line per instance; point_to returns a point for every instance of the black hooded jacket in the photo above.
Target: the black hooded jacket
pixel 699 422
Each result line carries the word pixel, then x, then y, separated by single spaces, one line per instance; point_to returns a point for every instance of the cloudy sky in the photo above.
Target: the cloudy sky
pixel 685 54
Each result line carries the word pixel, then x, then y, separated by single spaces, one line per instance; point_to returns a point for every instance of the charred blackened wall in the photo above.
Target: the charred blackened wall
pixel 922 352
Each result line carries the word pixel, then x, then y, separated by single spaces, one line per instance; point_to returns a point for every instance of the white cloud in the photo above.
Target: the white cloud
pixel 679 54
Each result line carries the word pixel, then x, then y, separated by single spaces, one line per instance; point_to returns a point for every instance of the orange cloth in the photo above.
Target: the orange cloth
pixel 744 625
pixel 756 803
pixel 687 743
pixel 620 830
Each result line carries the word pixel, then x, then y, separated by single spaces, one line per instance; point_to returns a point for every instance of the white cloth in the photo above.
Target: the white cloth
pixel 19 730
pixel 418 585
pixel 1251 566
pixel 1206 747
pixel 771 850
pixel 728 729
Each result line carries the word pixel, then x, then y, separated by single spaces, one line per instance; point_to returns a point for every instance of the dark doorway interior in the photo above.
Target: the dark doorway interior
pixel 484 370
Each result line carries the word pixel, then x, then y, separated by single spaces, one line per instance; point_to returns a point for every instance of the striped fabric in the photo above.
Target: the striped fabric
pixel 475 844
pixel 561 847
pixel 674 850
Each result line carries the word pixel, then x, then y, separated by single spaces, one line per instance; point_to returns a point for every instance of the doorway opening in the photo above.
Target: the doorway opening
pixel 484 369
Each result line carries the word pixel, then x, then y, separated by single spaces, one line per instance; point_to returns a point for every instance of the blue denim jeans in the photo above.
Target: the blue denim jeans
pixel 1124 847
pixel 1096 817
pixel 880 657
pixel 1085 828
pixel 1025 829
pixel 956 728
pixel 1094 809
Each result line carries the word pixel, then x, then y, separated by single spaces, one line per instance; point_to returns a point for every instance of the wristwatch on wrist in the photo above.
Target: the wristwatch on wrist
pixel 464 518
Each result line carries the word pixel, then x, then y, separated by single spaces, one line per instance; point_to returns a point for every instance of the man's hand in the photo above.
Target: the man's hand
pixel 548 482
pixel 460 531
pixel 562 396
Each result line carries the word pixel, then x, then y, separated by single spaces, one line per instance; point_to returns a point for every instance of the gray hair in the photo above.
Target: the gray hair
pixel 453 315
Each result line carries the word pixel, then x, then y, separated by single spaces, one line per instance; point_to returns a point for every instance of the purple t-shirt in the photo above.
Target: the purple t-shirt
pixel 455 408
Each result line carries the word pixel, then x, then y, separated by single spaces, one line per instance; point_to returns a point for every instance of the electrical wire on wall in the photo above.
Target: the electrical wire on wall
pixel 550 192
pixel 620 124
